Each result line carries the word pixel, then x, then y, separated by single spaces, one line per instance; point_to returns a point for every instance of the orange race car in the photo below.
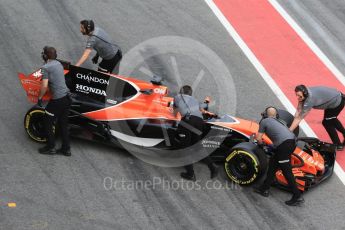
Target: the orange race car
pixel 138 116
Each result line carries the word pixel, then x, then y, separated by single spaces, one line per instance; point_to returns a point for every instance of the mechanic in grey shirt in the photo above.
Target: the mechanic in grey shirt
pixel 187 105
pixel 100 41
pixel 58 107
pixel 284 143
pixel 52 71
pixel 323 98
pixel 190 128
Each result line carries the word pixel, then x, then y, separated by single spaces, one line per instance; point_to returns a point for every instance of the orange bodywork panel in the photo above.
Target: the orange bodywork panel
pixel 154 105
pixel 297 173
pixel 245 127
pixel 141 106
pixel 312 165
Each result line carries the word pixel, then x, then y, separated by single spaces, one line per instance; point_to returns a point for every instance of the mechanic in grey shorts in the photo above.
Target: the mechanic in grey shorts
pixel 58 107
pixel 100 41
pixel 284 142
pixel 190 128
pixel 323 98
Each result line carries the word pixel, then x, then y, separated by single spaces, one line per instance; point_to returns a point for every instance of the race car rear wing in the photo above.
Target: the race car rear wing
pixel 32 84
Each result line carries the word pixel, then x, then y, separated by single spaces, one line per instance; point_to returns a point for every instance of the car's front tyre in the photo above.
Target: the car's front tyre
pixel 245 166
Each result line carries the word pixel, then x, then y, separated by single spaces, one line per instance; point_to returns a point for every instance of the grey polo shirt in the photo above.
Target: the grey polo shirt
pixel 101 42
pixel 53 71
pixel 187 105
pixel 276 131
pixel 320 97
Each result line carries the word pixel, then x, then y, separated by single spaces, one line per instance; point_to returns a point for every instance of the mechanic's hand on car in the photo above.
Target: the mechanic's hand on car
pixel 214 115
pixel 209 115
pixel 268 148
pixel 40 102
pixel 95 59
pixel 207 100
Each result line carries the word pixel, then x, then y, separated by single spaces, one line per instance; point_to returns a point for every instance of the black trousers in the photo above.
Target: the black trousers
pixel 207 160
pixel 57 111
pixel 108 66
pixel 332 124
pixel 188 133
pixel 281 160
pixel 189 130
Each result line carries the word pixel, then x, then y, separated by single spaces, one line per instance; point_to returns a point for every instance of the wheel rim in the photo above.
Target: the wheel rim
pixel 241 167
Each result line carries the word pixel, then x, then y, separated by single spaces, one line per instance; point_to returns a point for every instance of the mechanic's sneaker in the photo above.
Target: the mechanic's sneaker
pixel 295 201
pixel 46 150
pixel 262 192
pixel 187 176
pixel 214 172
pixel 66 153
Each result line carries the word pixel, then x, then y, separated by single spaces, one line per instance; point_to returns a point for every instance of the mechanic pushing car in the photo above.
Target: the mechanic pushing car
pixel 284 142
pixel 190 128
pixel 204 109
pixel 100 41
pixel 58 107
pixel 324 98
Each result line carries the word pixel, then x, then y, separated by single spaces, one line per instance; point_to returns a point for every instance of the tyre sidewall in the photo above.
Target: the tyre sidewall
pixel 253 157
pixel 28 124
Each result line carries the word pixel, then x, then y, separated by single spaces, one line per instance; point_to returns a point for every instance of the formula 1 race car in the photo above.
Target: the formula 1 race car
pixel 138 116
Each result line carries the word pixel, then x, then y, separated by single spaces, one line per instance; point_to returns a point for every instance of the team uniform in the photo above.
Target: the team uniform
pixel 285 143
pixel 191 126
pixel 58 107
pixel 189 108
pixel 110 53
pixel 330 100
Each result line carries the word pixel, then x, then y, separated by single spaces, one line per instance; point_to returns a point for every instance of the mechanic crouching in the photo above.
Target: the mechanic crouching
pixel 190 128
pixel 58 107
pixel 284 142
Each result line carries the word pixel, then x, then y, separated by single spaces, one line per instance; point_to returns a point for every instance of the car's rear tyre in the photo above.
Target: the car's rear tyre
pixel 34 124
pixel 244 167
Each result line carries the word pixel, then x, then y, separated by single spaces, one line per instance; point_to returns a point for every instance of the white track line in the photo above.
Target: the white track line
pixel 308 41
pixel 266 76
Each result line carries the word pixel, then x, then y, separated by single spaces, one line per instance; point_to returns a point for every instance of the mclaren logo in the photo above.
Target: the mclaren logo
pixel 87 90
pixel 89 78
pixel 160 91
pixel 37 74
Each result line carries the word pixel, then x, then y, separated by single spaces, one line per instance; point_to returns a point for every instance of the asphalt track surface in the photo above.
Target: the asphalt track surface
pixel 56 192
